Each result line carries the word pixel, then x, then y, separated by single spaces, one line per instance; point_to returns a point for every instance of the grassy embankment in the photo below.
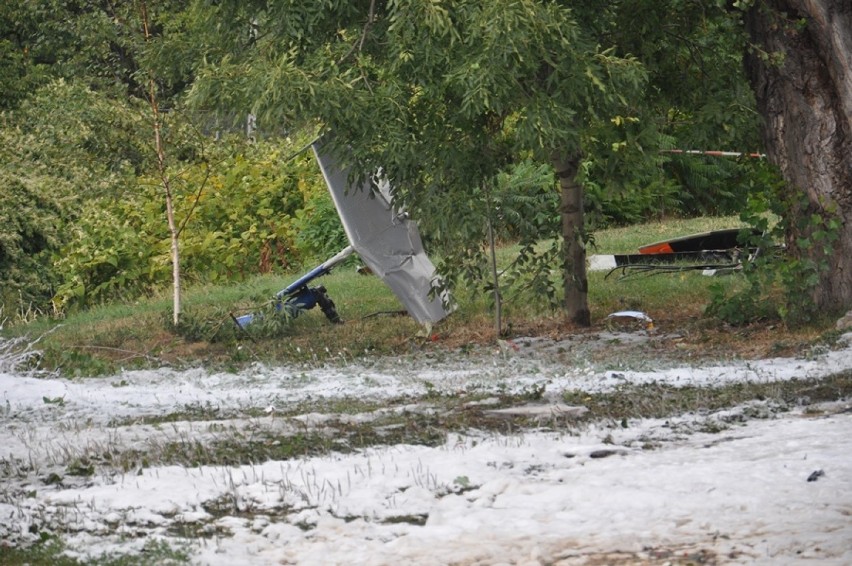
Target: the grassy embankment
pixel 105 338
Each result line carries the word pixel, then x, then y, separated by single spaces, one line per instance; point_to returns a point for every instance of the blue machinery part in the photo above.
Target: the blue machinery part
pixel 298 296
pixel 387 241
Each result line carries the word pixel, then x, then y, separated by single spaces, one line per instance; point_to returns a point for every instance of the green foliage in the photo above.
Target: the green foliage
pixel 213 324
pixel 696 98
pixel 461 104
pixel 522 207
pixel 242 211
pixel 646 187
pixel 132 334
pixel 318 233
pixel 446 96
pixel 21 71
pixel 780 283
pixel 526 206
pixel 810 237
pixel 82 136
pixel 526 202
pixel 240 223
pixel 441 97
pixel 711 186
pixel 77 363
pixel 111 255
pixel 693 53
pixel 28 231
pixel 51 550
pixel 622 173
pixel 99 45
pixel 64 147
pixel 202 324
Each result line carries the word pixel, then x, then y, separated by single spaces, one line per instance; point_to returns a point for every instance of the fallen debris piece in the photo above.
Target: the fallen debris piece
pixel 385 238
pixel 598 453
pixel 638 315
pixel 725 239
pixel 815 475
pixel 713 253
pixel 604 453
pixel 627 320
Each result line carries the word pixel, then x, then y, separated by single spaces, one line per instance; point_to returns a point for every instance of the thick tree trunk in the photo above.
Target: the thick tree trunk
pixel 574 260
pixel 801 72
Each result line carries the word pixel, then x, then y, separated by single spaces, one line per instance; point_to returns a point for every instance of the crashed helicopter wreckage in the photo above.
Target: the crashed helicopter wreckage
pixel 718 251
pixel 386 240
pixel 712 253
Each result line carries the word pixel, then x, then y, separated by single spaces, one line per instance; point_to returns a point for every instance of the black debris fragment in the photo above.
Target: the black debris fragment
pixel 602 453
pixel 815 475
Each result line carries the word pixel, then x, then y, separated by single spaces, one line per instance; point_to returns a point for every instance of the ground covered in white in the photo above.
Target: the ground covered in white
pixel 747 485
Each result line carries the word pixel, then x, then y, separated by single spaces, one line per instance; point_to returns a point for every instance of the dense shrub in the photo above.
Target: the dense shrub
pixel 63 147
pixel 244 208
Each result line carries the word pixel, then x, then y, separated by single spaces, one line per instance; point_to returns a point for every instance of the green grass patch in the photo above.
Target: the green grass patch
pixel 662 295
pixel 50 551
pixel 104 339
pixel 657 400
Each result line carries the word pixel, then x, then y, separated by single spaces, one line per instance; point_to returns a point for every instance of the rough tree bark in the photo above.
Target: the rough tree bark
pixel 574 260
pixel 800 67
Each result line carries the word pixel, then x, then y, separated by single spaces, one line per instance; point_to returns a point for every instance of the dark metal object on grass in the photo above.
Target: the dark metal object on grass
pixel 714 252
pixel 387 241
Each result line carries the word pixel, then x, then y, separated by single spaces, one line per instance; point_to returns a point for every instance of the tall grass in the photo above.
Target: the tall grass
pixel 95 340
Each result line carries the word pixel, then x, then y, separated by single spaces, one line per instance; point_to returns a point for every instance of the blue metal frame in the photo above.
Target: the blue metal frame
pixel 298 297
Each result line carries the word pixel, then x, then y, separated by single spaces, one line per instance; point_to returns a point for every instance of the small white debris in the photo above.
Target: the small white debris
pixel 630 319
pixel 638 315
pixel 602 262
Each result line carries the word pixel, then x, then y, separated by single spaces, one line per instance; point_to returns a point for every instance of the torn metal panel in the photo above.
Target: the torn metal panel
pixel 385 239
pixel 725 239
pixel 714 252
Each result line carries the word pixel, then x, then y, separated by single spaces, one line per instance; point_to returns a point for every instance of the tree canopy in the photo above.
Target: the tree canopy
pixel 442 96
pixel 470 108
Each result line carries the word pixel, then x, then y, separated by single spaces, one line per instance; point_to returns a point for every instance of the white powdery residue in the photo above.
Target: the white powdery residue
pixel 508 498
pixel 150 393
pixel 743 493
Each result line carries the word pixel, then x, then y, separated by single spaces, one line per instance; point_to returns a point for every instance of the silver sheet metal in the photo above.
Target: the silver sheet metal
pixel 387 241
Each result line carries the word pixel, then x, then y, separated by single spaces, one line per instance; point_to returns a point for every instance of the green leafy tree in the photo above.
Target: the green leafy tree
pixel 68 71
pixel 21 72
pixel 442 96
pixel 696 97
pixel 92 42
pixel 254 205
pixel 30 212
pixel 799 65
pixel 64 147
